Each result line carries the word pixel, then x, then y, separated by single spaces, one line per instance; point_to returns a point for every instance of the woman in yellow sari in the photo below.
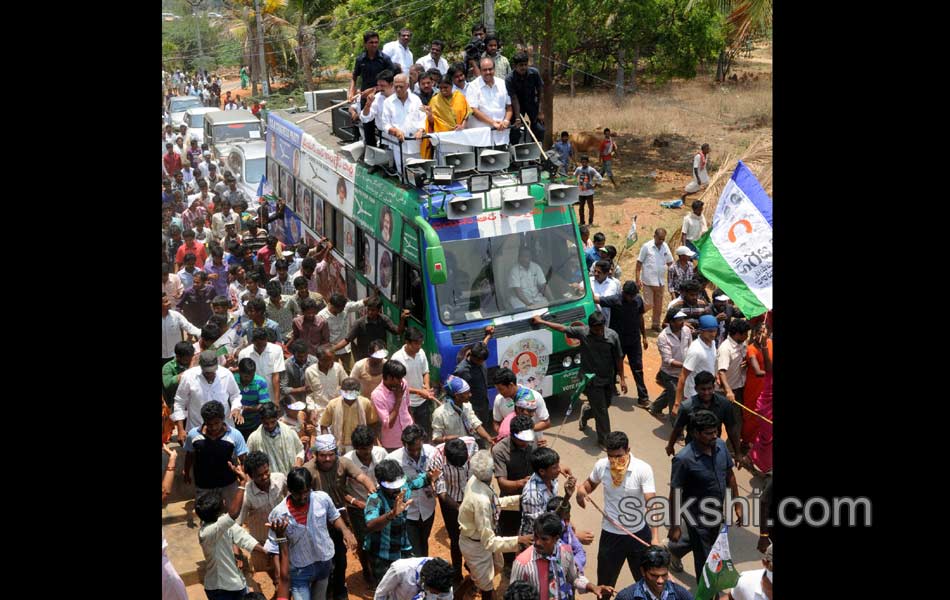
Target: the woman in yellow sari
pixel 447 111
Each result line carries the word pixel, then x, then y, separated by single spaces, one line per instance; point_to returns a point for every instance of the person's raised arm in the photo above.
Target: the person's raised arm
pixel 537 320
pixel 235 509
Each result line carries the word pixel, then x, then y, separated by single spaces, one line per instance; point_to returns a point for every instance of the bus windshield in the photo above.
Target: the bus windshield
pixel 501 275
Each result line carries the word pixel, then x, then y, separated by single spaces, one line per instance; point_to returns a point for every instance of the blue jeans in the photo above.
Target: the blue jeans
pixel 310 582
pixel 225 594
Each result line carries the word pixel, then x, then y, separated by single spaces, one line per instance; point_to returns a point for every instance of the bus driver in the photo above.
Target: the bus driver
pixel 527 281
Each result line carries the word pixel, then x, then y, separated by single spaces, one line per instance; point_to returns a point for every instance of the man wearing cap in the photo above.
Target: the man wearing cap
pixel 391 399
pixel 681 270
pixel 369 371
pixel 387 538
pixel 512 456
pixel 346 412
pixel 602 355
pixel 672 344
pixel 415 458
pixel 478 520
pixel 513 400
pixel 701 356
pixel 629 324
pixel 208 382
pixel 330 473
pixel 277 440
pixel 725 313
pixel 455 417
pixel 757 584
pixel 655 257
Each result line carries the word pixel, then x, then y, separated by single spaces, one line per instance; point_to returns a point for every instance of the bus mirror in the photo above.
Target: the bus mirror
pixel 435 264
pixel 560 194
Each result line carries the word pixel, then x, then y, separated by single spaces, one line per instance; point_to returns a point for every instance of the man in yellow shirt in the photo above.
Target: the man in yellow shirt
pixel 347 411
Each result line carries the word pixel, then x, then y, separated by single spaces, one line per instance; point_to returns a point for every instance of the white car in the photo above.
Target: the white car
pixel 195 120
pixel 246 160
pixel 177 105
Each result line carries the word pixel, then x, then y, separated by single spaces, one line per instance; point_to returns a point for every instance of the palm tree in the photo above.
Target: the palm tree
pixel 279 35
pixel 744 18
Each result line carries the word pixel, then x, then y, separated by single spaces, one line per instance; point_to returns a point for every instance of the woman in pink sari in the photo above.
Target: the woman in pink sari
pixel 761 452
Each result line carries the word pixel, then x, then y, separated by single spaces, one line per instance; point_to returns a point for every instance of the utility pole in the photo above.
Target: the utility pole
pixel 489 10
pixel 194 4
pixel 265 88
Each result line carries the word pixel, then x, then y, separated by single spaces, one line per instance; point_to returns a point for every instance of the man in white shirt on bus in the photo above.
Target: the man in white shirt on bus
pixel 373 106
pixel 398 50
pixel 491 105
pixel 434 60
pixel 527 281
pixel 403 121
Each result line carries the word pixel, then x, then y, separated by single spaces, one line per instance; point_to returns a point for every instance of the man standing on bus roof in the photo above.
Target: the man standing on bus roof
pixel 490 102
pixel 527 281
pixel 372 113
pixel 404 120
pixel 369 64
pixel 371 327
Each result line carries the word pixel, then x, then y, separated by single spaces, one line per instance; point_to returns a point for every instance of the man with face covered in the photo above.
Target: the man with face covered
pixel 478 521
pixel 554 559
pixel 330 473
pixel 262 493
pixel 346 412
pixel 416 579
pixel 310 546
pixel 386 514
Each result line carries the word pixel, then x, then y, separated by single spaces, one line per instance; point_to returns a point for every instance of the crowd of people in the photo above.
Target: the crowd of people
pixel 308 443
pixel 205 86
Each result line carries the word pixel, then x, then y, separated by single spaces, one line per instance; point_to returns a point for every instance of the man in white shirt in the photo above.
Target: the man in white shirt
pixel 413 357
pixel 373 105
pixel 415 457
pixel 700 177
pixel 491 105
pixel 409 578
pixel 655 258
pixel 337 314
pixel 459 83
pixel 701 356
pixel 604 285
pixel 208 382
pixel 755 585
pixel 268 358
pixel 398 50
pixel 694 226
pixel 403 121
pixel 629 488
pixel 174 325
pixel 434 60
pixel 527 282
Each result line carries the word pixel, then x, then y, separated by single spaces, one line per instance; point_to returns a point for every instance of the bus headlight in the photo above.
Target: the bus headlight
pixel 566 363
pixel 577 359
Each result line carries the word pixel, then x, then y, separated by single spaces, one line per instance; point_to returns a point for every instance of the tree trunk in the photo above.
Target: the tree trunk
pixel 572 83
pixel 547 75
pixel 251 59
pixel 633 73
pixel 721 66
pixel 304 46
pixel 620 77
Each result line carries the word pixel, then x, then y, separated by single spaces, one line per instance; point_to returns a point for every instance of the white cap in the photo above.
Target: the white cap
pixel 297 406
pixel 680 315
pixel 722 298
pixel 379 354
pixel 525 436
pixel 393 485
pixel 684 251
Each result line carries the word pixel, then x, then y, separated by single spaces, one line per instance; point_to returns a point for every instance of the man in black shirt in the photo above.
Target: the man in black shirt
pixel 527 91
pixel 370 63
pixel 472 369
pixel 371 327
pixel 512 456
pixel 706 398
pixel 626 318
pixel 601 354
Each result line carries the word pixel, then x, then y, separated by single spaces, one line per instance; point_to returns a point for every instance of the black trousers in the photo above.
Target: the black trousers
pixel 419 532
pixel 589 200
pixel 484 415
pixel 614 550
pixel 336 587
pixel 422 416
pixel 509 524
pixel 451 518
pixel 634 356
pixel 669 384
pixel 599 396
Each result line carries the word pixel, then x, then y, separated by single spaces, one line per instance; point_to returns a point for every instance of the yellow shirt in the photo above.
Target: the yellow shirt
pixel 477 519
pixel 342 418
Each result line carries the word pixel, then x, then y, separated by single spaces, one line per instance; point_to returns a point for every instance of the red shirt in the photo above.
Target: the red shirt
pixel 264 255
pixel 300 514
pixel 172 162
pixel 605 145
pixel 201 255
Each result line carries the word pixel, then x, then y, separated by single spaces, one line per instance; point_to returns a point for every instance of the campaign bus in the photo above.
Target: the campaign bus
pixel 443 238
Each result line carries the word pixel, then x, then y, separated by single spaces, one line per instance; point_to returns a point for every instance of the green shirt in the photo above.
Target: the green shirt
pixel 170 373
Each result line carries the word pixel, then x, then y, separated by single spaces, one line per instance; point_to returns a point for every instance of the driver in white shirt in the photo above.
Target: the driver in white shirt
pixel 527 282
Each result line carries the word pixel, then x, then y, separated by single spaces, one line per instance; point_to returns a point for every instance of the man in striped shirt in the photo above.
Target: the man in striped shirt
pixel 387 538
pixel 542 486
pixel 452 458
